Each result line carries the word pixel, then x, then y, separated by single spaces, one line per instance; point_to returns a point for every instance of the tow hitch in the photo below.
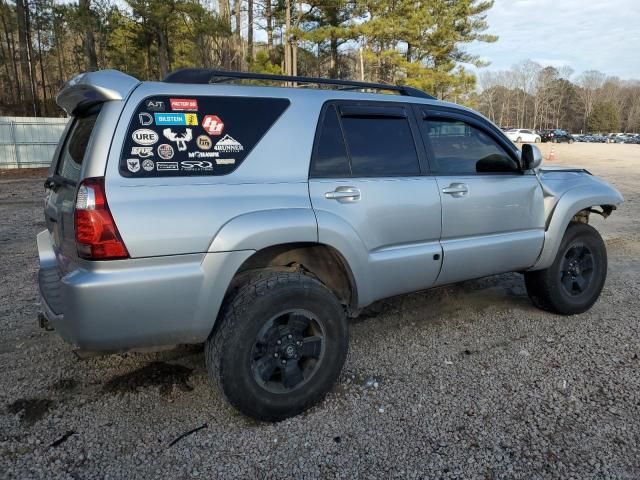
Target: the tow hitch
pixel 43 321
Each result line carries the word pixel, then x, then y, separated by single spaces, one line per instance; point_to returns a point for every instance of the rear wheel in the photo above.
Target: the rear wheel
pixel 280 345
pixel 537 140
pixel 573 282
pixel 519 140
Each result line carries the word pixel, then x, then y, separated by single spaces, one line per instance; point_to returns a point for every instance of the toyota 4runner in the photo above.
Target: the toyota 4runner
pixel 258 219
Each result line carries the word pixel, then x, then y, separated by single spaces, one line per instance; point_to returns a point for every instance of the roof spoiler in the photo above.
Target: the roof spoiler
pixel 91 88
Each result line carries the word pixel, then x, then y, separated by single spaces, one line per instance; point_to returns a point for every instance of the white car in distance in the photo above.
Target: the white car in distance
pixel 520 135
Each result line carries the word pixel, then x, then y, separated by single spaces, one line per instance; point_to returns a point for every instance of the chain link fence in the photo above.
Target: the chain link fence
pixel 29 142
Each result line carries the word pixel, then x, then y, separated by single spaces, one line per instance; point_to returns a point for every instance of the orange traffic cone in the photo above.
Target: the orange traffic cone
pixel 552 155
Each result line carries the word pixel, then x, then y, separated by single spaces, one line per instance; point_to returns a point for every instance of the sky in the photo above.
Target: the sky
pixel 583 34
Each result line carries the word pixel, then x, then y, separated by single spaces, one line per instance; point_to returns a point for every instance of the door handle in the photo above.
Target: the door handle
pixel 344 194
pixel 456 190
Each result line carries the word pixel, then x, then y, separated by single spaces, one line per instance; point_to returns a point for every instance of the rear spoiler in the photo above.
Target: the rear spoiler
pixel 91 88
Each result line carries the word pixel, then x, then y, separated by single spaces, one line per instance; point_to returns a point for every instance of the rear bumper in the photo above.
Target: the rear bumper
pixel 125 304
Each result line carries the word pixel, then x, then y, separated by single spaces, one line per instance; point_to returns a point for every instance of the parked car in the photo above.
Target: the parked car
pixel 556 136
pixel 258 220
pixel 519 135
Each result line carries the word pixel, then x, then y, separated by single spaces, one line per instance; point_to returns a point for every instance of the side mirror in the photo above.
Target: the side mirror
pixel 531 157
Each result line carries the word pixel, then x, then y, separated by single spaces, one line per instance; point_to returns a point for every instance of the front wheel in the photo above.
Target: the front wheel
pixel 537 140
pixel 519 140
pixel 280 345
pixel 573 282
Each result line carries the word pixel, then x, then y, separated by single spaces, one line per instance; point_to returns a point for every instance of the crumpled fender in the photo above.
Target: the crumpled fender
pixel 571 202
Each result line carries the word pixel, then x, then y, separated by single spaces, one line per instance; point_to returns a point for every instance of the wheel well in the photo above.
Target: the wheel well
pixel 321 261
pixel 583 215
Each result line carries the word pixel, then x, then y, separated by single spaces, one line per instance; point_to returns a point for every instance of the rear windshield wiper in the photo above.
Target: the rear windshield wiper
pixel 56 181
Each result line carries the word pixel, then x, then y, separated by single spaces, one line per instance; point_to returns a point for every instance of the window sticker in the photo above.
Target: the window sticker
pixel 195 136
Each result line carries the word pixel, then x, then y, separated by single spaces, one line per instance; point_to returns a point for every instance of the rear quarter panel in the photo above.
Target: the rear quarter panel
pixel 180 215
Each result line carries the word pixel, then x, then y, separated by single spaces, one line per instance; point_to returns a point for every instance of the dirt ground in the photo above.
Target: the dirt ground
pixel 464 381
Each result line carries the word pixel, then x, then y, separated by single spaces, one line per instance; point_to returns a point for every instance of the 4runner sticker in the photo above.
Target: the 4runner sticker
pixel 228 144
pixel 144 136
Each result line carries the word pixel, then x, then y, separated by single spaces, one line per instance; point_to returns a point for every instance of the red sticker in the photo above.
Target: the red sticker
pixel 184 104
pixel 212 125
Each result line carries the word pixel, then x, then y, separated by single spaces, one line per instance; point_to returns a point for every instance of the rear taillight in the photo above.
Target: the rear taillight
pixel 97 236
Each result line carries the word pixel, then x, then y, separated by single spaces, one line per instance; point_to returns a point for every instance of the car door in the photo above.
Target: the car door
pixel 492 212
pixel 372 201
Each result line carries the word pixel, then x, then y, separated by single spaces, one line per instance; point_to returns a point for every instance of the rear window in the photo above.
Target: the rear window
pixel 75 146
pixel 195 136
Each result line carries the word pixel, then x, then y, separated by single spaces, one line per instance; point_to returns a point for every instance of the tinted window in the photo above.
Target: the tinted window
pixel 330 159
pixel 380 146
pixel 187 135
pixel 76 146
pixel 460 148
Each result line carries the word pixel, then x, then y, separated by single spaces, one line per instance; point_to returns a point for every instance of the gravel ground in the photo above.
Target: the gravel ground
pixel 466 381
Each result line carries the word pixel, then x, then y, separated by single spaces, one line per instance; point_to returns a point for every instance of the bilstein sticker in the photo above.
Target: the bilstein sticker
pixel 228 144
pixel 144 136
pixel 142 152
pixel 185 104
pixel 176 118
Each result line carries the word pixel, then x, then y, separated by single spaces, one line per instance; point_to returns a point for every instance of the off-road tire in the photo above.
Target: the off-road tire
pixel 545 287
pixel 230 347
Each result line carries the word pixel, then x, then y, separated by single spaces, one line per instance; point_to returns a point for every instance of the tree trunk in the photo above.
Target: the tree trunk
pixel 287 39
pixel 238 34
pixel 163 53
pixel 89 38
pixel 28 106
pixel 225 15
pixel 250 30
pixel 13 79
pixel 268 14
pixel 333 60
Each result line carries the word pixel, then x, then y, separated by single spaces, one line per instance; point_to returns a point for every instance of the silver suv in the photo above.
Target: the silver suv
pixel 259 219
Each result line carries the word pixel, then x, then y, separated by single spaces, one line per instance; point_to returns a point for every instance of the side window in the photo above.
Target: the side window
pixel 330 158
pixel 195 135
pixel 380 146
pixel 460 148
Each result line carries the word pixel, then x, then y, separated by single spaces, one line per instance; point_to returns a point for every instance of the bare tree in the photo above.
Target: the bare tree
pixel 24 40
pixel 590 82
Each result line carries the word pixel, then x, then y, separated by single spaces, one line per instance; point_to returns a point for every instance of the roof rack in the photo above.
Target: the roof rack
pixel 205 75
